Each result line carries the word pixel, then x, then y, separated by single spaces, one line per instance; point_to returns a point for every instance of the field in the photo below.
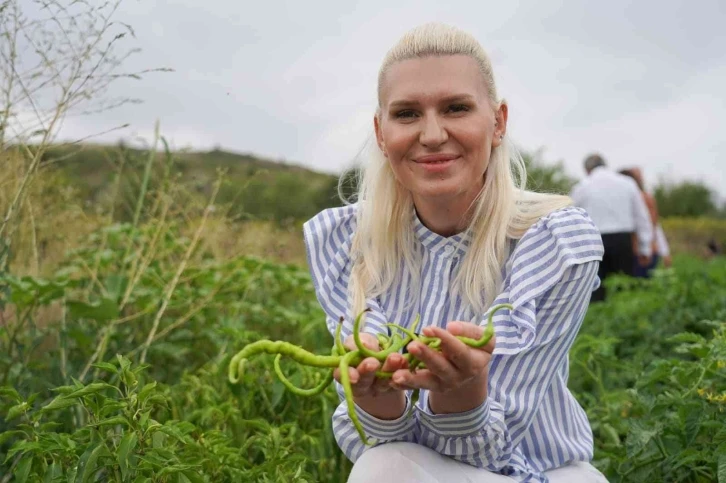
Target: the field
pixel 117 327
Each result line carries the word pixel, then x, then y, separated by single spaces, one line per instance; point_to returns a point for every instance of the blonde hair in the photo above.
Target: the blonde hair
pixel 385 241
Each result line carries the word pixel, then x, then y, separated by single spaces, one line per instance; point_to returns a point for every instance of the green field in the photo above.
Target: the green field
pixel 649 367
pixel 119 315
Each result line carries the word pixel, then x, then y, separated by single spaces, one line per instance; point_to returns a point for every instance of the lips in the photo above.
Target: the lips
pixel 436 158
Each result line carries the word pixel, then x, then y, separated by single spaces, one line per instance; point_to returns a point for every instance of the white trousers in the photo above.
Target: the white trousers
pixel 415 463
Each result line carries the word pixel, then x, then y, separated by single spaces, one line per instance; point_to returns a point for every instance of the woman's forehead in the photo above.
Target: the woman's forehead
pixel 434 77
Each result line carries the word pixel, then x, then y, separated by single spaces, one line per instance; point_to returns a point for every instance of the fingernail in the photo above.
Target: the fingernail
pixel 398 378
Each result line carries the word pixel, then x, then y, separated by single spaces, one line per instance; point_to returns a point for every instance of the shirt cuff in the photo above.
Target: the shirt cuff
pixel 387 429
pixel 645 250
pixel 454 424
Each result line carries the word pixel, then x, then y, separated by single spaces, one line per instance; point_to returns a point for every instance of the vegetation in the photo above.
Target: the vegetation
pixel 687 199
pixel 137 349
pixel 127 283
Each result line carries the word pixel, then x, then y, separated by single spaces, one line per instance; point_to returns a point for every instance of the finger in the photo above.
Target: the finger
pixel 454 352
pixel 367 370
pixel 422 379
pixel 472 331
pixel 436 362
pixel 352 374
pixel 393 363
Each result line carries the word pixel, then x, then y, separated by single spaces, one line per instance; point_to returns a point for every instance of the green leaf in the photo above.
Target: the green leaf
pixel 101 310
pixel 59 402
pixel 55 471
pixel 9 434
pixel 22 471
pixel 92 388
pixel 112 420
pixel 144 393
pixel 16 411
pixel 196 478
pixel 88 464
pixel 10 393
pixel 638 438
pixel 722 469
pixel 106 366
pixel 127 445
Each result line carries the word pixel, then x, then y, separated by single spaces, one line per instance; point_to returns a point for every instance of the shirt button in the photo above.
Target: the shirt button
pixel 448 249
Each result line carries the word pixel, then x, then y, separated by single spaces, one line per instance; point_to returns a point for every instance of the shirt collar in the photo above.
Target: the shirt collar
pixel 435 243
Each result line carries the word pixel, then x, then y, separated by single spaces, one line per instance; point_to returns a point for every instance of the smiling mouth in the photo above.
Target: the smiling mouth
pixel 436 159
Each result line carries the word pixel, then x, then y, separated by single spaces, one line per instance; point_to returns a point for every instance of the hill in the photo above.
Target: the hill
pixel 253 187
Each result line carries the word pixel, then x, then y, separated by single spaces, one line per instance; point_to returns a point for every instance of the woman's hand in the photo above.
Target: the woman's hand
pixel 377 396
pixel 456 377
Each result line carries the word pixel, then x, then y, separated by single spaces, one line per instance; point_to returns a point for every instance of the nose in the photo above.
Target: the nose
pixel 433 132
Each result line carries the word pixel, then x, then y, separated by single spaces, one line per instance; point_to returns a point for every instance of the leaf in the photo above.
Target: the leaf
pixel 112 420
pixel 722 469
pixel 101 310
pixel 16 411
pixel 10 393
pixel 693 420
pixel 22 471
pixel 127 445
pixel 60 402
pixel 92 388
pixel 196 478
pixel 106 366
pixel 9 434
pixel 88 463
pixel 638 438
pixel 144 393
pixel 54 472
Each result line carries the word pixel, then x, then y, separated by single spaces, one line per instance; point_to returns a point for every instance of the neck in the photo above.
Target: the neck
pixel 446 217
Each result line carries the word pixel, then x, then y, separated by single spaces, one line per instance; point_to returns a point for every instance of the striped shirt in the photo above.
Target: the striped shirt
pixel 530 422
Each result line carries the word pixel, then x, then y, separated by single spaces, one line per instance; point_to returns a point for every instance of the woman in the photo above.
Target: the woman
pixel 640 270
pixel 443 228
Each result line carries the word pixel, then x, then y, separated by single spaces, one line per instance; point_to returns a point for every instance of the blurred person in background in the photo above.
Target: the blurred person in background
pixel 616 206
pixel 662 247
pixel 639 270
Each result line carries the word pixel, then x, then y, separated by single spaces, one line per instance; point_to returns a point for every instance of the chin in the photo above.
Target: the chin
pixel 443 190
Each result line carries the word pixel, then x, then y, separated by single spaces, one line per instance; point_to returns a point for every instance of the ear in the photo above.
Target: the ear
pixel 500 129
pixel 379 135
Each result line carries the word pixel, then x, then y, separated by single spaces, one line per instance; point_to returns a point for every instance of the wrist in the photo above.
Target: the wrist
pixel 464 398
pixel 386 406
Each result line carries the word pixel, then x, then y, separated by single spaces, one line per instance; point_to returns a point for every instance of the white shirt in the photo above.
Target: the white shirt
pixel 661 243
pixel 615 205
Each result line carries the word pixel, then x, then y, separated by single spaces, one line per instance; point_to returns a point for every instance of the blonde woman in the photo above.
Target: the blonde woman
pixel 444 228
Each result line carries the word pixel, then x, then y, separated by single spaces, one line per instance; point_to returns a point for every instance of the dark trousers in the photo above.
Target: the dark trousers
pixel 618 258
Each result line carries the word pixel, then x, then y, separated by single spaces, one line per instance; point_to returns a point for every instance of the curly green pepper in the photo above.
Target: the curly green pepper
pixel 343 359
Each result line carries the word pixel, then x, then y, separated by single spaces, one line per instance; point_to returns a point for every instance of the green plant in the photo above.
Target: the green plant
pixel 342 359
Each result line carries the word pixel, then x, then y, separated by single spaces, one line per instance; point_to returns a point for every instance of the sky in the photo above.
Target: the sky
pixel 641 82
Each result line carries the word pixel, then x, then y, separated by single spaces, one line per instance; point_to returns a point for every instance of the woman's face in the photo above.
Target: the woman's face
pixel 437 127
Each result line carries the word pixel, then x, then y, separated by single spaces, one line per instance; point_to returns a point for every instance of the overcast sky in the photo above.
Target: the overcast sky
pixel 642 82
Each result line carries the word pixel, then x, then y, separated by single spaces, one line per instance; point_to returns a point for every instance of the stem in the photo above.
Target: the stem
pixel 182 267
pixel 147 176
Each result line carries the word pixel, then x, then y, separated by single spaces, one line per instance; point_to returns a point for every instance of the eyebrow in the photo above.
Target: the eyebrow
pixel 410 102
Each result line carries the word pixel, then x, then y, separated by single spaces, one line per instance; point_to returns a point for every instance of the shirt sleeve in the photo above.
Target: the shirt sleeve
pixel 662 242
pixel 553 272
pixel 576 194
pixel 643 222
pixel 328 238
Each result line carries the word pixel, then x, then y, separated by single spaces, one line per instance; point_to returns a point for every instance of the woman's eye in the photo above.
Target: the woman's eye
pixel 405 114
pixel 458 108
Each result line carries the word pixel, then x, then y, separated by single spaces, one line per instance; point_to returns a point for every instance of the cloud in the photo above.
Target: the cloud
pixel 638 81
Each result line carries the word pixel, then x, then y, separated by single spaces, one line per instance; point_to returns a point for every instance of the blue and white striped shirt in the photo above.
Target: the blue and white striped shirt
pixel 530 421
